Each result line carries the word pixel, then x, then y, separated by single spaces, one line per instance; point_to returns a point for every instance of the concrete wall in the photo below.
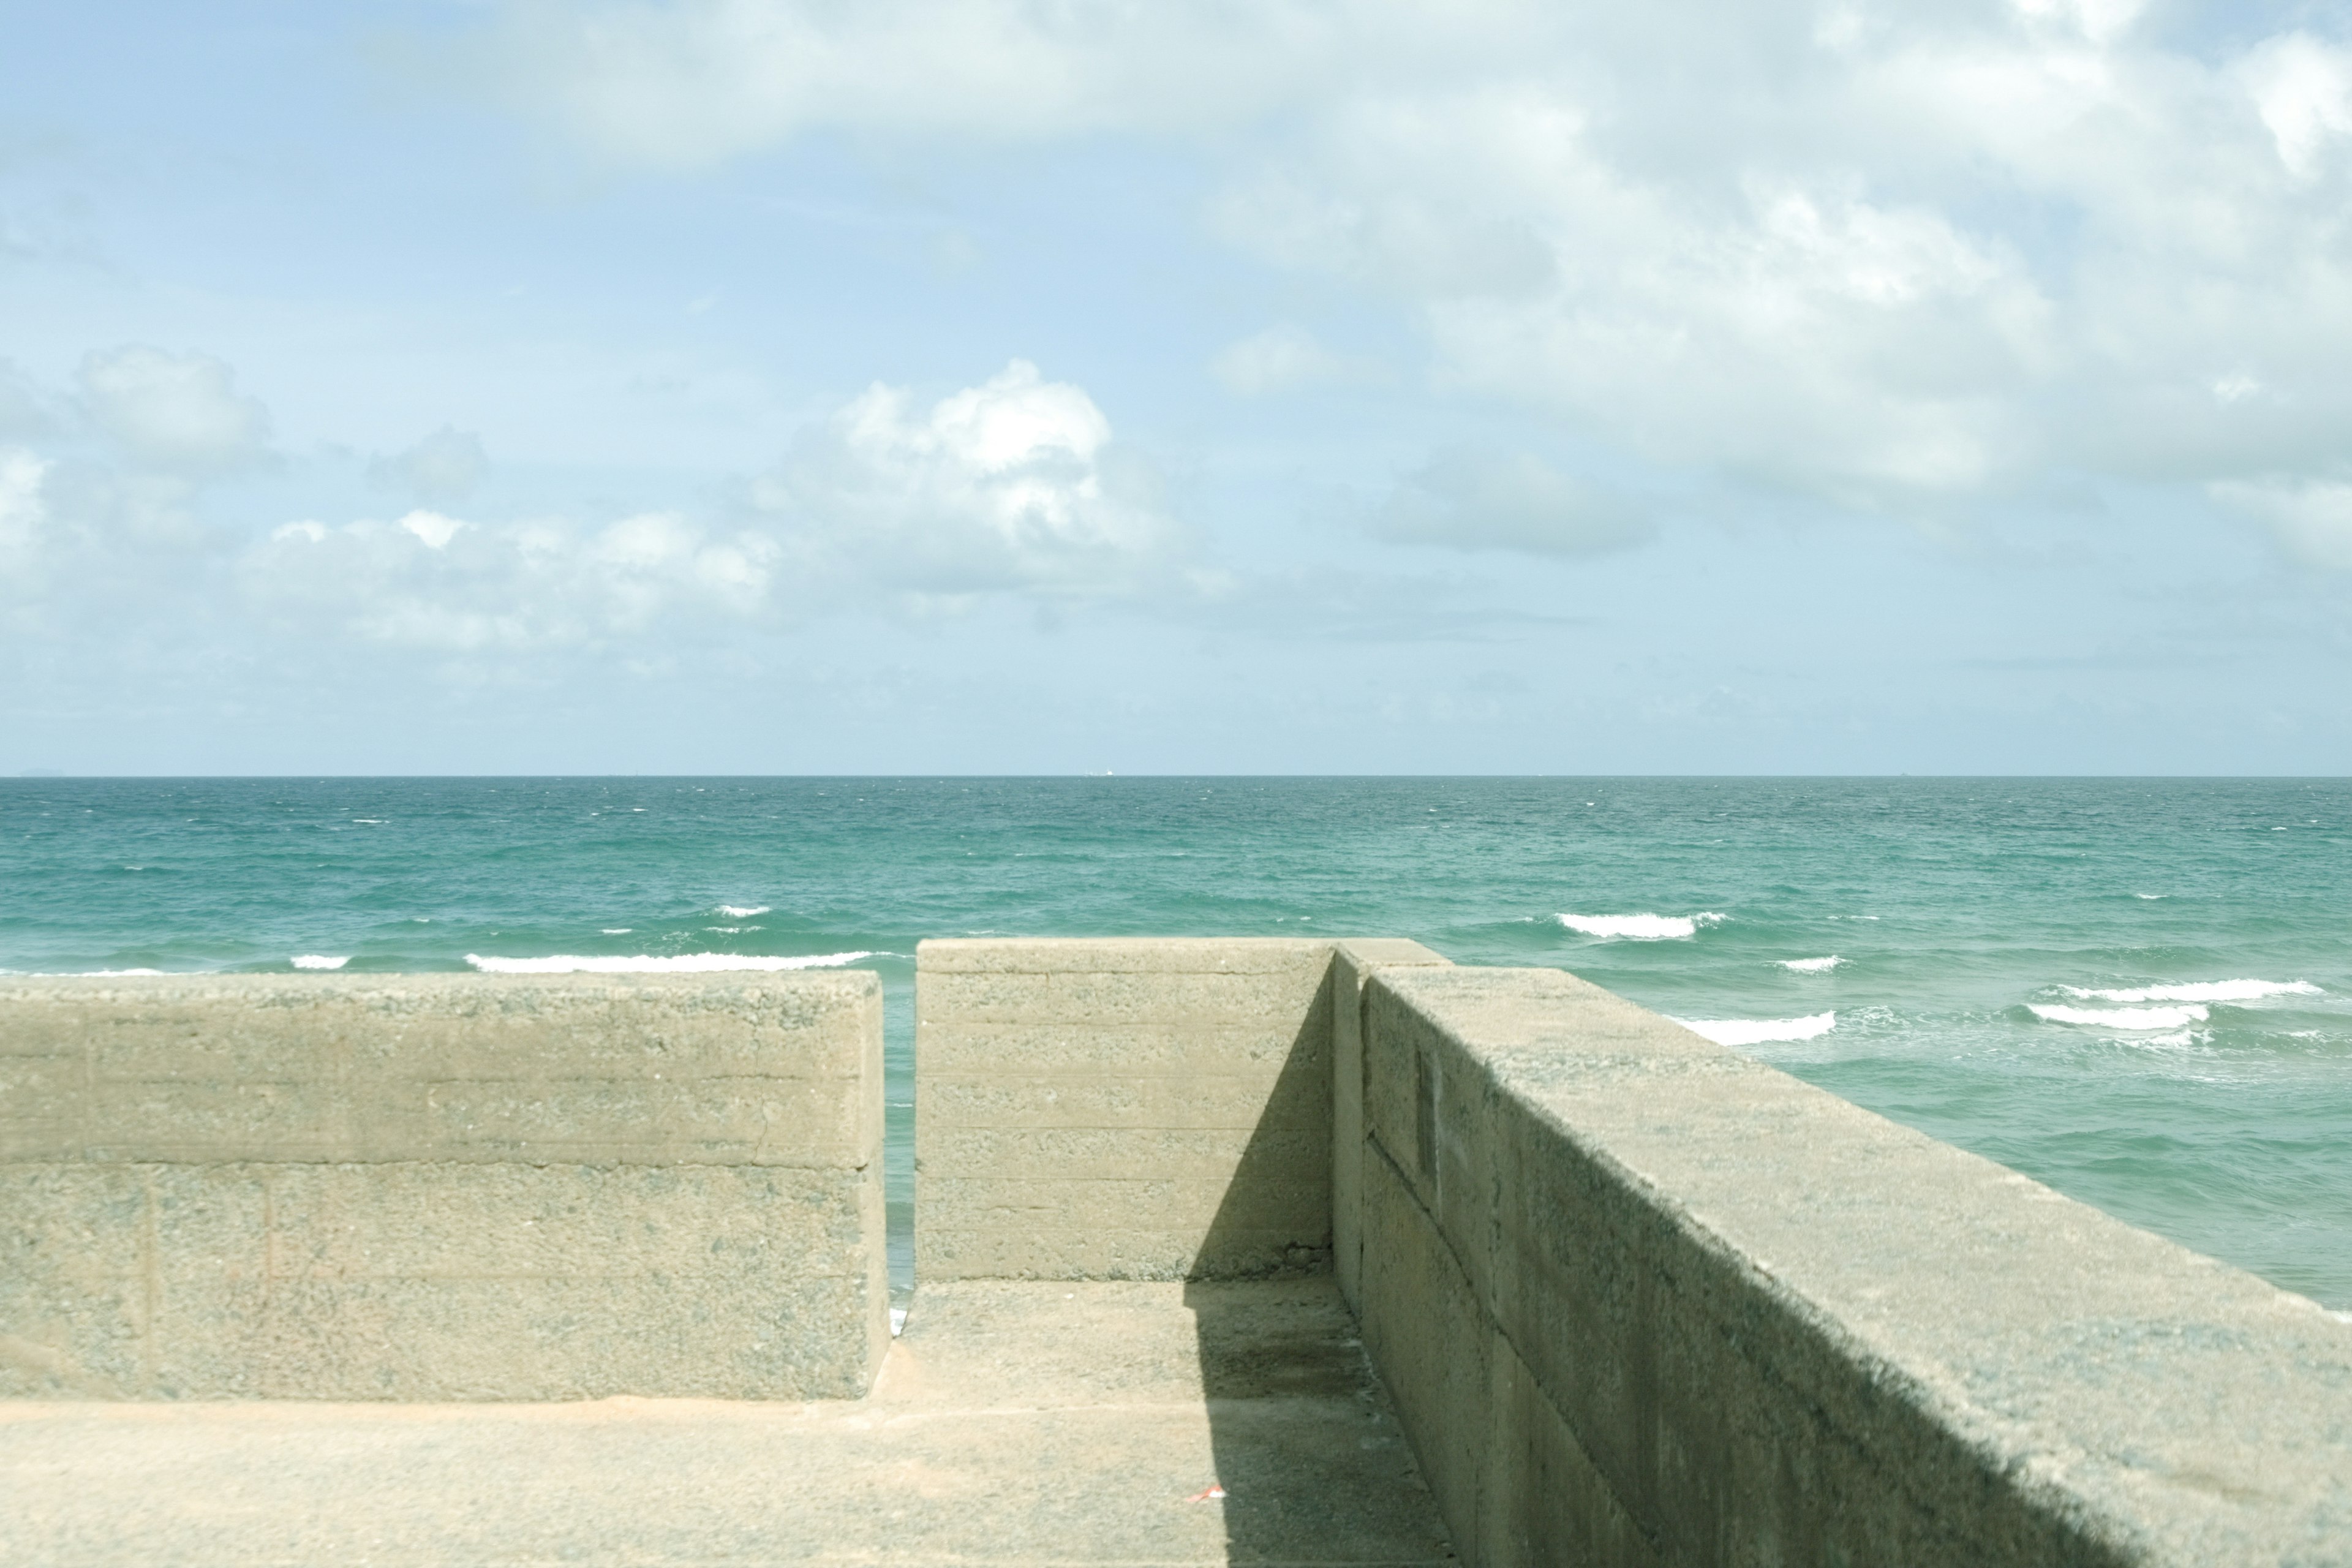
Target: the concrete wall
pixel 1640 1301
pixel 1353 964
pixel 1140 1109
pixel 441 1187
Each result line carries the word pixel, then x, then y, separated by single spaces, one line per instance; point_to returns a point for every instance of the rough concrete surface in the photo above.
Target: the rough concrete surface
pixel 1044 1423
pixel 441 1186
pixel 1643 1299
pixel 1152 1110
pixel 1353 963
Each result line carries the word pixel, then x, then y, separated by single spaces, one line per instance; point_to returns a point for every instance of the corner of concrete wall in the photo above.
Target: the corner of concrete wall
pixel 1140 1108
pixel 1354 962
pixel 426 1187
pixel 1640 1301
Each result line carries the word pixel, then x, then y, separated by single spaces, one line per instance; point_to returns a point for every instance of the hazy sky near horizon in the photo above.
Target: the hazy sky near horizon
pixel 785 386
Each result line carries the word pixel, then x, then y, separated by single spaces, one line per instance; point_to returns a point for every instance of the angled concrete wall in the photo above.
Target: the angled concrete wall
pixel 1353 964
pixel 1132 1109
pixel 1642 1301
pixel 441 1187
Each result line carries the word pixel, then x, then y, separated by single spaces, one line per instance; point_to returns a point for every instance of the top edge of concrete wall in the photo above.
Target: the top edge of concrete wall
pixel 1119 956
pixel 285 988
pixel 2188 1410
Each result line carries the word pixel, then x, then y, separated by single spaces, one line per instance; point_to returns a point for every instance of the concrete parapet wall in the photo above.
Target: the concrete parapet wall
pixel 1642 1301
pixel 1353 964
pixel 441 1187
pixel 1135 1110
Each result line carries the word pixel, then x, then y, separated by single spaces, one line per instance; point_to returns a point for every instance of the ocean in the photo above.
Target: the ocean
pixel 2139 990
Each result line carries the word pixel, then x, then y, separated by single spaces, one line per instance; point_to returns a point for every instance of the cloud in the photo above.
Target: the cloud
pixel 2311 519
pixel 22 513
pixel 1476 498
pixel 1284 357
pixel 1012 484
pixel 684 84
pixel 456 586
pixel 180 412
pixel 24 411
pixel 435 530
pixel 440 470
pixel 2303 89
pixel 1010 487
pixel 1897 259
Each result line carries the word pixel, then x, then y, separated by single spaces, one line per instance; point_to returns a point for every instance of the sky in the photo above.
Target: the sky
pixel 1035 387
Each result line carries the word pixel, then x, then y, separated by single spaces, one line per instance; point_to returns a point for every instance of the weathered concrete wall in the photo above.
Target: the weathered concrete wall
pixel 1353 963
pixel 441 1187
pixel 1640 1301
pixel 1137 1110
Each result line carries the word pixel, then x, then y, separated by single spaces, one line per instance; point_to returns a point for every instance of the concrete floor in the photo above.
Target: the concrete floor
pixel 1047 1423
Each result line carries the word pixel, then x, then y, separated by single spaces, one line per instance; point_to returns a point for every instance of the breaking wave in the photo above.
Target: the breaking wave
pixel 318 961
pixel 742 912
pixel 1760 1031
pixel 2197 990
pixel 1641 928
pixel 1810 965
pixel 2119 1017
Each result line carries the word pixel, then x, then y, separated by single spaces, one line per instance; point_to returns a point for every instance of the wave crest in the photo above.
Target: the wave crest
pixel 2197 990
pixel 742 912
pixel 2119 1017
pixel 1810 965
pixel 1642 927
pixel 318 961
pixel 1760 1031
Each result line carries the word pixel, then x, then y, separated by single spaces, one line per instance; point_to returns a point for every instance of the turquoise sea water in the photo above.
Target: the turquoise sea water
pixel 2137 990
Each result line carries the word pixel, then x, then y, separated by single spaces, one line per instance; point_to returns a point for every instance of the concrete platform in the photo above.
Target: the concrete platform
pixel 1046 1423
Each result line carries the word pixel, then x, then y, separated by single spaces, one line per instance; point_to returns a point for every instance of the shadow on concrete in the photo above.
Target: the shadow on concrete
pixel 1314 1464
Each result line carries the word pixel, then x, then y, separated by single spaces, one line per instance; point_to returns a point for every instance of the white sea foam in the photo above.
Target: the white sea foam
pixel 1757 1031
pixel 2119 1017
pixel 742 912
pixel 1810 965
pixel 1641 928
pixel 2199 991
pixel 320 961
pixel 615 931
pixel 647 963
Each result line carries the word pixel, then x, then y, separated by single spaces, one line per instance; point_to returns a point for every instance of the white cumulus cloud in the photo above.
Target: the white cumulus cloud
pixel 433 529
pixel 2304 91
pixel 1897 259
pixel 1010 485
pixel 454 585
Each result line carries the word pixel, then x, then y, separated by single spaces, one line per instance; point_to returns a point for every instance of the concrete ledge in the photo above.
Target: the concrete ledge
pixel 441 1187
pixel 1636 1293
pixel 1121 955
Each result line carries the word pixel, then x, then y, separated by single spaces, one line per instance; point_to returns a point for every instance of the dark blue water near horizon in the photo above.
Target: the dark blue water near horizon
pixel 2139 991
